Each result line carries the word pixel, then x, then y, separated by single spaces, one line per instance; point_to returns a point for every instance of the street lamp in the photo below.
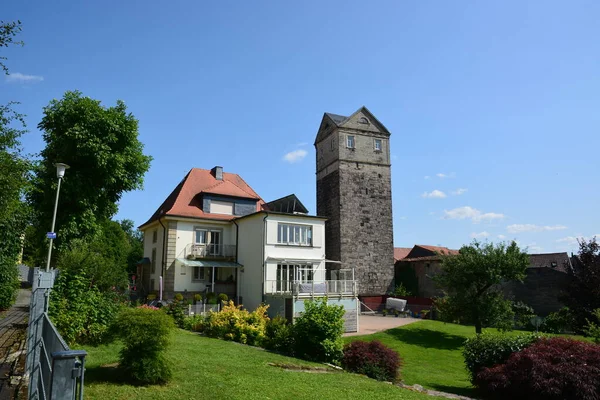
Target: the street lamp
pixel 60 173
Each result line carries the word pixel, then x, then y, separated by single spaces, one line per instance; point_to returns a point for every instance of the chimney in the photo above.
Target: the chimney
pixel 217 172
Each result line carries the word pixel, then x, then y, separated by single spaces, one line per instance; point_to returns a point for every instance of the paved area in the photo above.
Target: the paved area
pixel 369 324
pixel 12 346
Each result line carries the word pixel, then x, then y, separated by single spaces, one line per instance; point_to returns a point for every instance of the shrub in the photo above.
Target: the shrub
pixel 233 323
pixel 523 314
pixel 176 309
pixel 198 298
pixel 279 336
pixel 222 297
pixel 80 311
pixel 488 349
pixel 145 335
pixel 592 329
pixel 401 291
pixel 550 369
pixel 384 312
pixel 178 297
pixel 211 298
pixel 558 322
pixel 194 323
pixel 151 297
pixel 9 281
pixel 373 359
pixel 318 331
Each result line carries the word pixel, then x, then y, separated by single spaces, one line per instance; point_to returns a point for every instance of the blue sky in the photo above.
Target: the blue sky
pixel 493 106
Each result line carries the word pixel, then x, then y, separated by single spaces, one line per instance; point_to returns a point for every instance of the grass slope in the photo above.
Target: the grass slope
pixel 431 354
pixel 214 369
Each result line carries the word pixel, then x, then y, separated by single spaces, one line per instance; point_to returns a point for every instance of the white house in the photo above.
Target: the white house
pixel 215 234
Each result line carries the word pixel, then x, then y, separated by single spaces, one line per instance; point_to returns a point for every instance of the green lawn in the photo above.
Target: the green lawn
pixel 214 369
pixel 431 353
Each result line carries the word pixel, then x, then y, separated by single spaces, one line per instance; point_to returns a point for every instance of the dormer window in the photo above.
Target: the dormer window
pixel 221 207
pixel 350 142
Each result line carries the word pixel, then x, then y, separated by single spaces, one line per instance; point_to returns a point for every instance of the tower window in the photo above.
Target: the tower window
pixel 363 120
pixel 332 144
pixel 377 144
pixel 350 142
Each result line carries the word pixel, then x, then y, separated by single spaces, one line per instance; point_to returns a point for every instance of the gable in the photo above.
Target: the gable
pixel 364 120
pixel 329 122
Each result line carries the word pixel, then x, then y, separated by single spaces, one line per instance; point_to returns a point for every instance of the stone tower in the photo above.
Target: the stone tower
pixel 354 190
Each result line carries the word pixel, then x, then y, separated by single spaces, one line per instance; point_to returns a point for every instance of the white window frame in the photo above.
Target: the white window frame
pixel 216 250
pixel 294 234
pixel 351 138
pixel 378 141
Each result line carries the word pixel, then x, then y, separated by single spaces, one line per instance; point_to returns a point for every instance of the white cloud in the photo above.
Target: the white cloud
pixel 427 177
pixel 501 237
pixel 18 77
pixel 459 191
pixel 519 228
pixel 436 194
pixel 479 235
pixel 444 176
pixel 295 156
pixel 301 144
pixel 471 213
pixel 569 240
pixel 402 217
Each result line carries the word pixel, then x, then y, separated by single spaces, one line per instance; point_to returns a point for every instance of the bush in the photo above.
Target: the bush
pixel 80 311
pixel 233 323
pixel 9 282
pixel 198 298
pixel 318 332
pixel 488 350
pixel 592 329
pixel 178 297
pixel 373 359
pixel 211 298
pixel 279 336
pixel 145 335
pixel 222 298
pixel 176 309
pixel 523 314
pixel 194 323
pixel 401 291
pixel 558 322
pixel 550 369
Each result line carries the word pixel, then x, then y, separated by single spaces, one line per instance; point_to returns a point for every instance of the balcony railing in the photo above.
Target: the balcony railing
pixel 312 288
pixel 210 251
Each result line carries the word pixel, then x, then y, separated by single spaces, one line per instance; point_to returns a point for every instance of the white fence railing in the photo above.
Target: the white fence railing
pixel 312 288
pixel 202 309
pixel 209 251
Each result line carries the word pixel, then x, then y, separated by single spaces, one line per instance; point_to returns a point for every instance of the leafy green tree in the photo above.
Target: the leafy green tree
pixel 583 293
pixel 8 32
pixel 471 282
pixel 136 243
pixel 106 158
pixel 13 183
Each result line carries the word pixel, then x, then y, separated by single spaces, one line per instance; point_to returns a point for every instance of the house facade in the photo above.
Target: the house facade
pixel 214 234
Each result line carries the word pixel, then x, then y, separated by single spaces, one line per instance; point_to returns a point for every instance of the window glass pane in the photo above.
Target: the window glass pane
pixel 297 234
pixel 309 236
pixel 200 237
pixel 350 141
pixel 279 234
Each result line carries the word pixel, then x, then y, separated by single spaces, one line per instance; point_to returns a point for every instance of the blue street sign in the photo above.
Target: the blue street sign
pixel 51 235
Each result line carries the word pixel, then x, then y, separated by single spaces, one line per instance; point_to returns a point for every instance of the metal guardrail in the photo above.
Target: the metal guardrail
pixel 210 251
pixel 312 288
pixel 55 371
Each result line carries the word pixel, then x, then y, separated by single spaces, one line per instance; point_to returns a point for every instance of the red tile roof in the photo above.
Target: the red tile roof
pixel 401 252
pixel 439 249
pixel 423 252
pixel 185 202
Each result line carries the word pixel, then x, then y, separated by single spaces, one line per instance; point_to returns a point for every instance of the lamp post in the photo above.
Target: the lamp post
pixel 60 173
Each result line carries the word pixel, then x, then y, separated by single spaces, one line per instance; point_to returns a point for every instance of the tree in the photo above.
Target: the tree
pixel 471 282
pixel 8 32
pixel 13 183
pixel 106 158
pixel 136 242
pixel 583 292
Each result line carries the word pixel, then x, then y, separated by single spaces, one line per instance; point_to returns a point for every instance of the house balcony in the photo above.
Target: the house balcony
pixel 221 252
pixel 312 288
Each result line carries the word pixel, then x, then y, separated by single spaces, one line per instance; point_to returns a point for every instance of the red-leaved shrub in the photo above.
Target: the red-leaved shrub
pixel 373 359
pixel 556 368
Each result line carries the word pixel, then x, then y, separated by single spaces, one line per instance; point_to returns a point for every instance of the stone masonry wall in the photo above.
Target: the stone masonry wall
pixel 328 204
pixel 540 289
pixel 366 230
